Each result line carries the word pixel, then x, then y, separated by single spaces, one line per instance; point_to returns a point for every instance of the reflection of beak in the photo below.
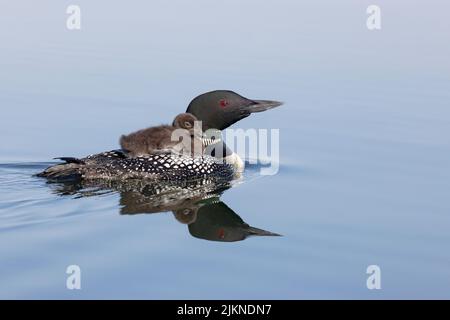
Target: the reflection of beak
pixel 260 232
pixel 262 105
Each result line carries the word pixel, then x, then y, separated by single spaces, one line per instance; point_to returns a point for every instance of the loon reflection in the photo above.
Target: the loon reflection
pixel 194 203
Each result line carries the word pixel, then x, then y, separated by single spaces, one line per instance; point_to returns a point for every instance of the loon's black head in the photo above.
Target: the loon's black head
pixel 221 108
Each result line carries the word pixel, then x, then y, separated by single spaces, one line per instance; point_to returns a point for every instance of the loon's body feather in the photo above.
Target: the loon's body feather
pixel 115 165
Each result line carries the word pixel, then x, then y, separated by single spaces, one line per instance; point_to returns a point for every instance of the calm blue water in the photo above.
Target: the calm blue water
pixel 365 147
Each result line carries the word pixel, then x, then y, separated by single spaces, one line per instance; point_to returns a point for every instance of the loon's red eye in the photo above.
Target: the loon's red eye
pixel 221 233
pixel 223 103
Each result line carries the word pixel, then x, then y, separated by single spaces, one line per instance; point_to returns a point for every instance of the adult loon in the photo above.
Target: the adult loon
pixel 216 109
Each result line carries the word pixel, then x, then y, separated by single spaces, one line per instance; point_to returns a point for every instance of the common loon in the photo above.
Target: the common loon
pixel 216 109
pixel 159 139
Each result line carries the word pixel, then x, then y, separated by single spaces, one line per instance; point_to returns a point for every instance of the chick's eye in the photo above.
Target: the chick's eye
pixel 187 124
pixel 223 103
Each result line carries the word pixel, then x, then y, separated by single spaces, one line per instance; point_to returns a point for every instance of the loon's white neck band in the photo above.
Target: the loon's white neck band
pixel 235 161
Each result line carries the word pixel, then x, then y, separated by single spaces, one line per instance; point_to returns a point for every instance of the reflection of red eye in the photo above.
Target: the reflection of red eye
pixel 223 103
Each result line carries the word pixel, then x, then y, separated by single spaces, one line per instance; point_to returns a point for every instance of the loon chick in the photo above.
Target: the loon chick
pixel 216 109
pixel 159 139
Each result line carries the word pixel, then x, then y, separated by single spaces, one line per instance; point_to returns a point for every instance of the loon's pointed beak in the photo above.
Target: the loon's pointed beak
pixel 252 231
pixel 262 105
